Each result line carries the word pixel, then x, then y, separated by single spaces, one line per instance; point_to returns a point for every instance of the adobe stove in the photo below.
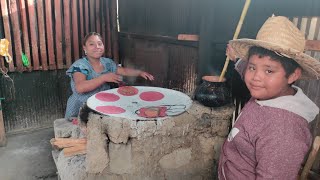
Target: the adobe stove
pixel 138 132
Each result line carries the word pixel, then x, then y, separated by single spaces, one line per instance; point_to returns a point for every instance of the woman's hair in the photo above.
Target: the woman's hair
pixel 288 64
pixel 89 35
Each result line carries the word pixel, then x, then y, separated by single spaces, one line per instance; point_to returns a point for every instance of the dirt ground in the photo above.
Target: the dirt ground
pixel 28 156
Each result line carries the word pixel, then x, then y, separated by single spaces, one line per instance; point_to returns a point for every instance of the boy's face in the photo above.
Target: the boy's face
pixel 266 78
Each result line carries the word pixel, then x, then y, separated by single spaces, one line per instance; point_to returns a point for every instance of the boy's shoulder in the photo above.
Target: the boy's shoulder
pixel 298 104
pixel 256 114
pixel 260 120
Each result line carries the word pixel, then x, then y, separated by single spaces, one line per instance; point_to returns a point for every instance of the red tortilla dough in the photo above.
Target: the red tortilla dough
pixel 151 96
pixel 127 90
pixel 110 109
pixel 107 97
pixel 153 112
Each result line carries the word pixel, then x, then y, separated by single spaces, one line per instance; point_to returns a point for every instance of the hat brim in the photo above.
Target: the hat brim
pixel 310 66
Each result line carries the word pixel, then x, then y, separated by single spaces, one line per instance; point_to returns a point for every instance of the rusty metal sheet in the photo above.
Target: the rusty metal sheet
pixel 40 98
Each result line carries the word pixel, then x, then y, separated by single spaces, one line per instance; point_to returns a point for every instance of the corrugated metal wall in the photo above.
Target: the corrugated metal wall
pixel 39 98
pixel 173 65
pixel 148 40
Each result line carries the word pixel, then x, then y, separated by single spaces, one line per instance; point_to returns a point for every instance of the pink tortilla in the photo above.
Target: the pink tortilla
pixel 151 96
pixel 107 97
pixel 127 90
pixel 110 109
pixel 160 111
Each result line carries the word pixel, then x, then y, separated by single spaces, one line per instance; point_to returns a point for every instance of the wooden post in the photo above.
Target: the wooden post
pixel 3 139
pixel 235 36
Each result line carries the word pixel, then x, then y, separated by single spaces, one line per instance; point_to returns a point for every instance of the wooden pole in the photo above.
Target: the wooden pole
pixel 311 158
pixel 3 139
pixel 235 36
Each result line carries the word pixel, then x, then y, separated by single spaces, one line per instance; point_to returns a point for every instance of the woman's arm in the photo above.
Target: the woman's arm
pixel 134 72
pixel 83 85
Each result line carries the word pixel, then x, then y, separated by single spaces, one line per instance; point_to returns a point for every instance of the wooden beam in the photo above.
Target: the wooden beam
pixel 75 150
pixel 312 45
pixel 188 37
pixel 33 34
pixel 70 146
pixel 82 30
pixel 108 30
pixel 67 32
pixel 3 139
pixel 114 31
pixel 58 32
pixel 7 32
pixel 165 39
pixel 24 25
pixel 50 39
pixel 16 38
pixel 98 16
pixel 42 37
pixel 75 28
pixel 312 156
pixel 61 143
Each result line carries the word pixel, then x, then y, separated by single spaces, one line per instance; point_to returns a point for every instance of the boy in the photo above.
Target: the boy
pixel 271 135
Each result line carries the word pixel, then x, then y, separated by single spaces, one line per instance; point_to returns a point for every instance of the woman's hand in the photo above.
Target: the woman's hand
pixel 112 77
pixel 134 72
pixel 146 76
pixel 231 53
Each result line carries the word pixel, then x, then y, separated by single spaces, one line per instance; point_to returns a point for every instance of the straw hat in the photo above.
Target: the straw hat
pixel 279 34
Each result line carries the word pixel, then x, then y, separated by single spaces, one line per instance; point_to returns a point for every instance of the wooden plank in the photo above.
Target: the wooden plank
pixel 50 40
pixel 86 16
pixel 67 31
pixel 75 29
pixel 6 24
pixel 92 17
pixel 312 28
pixel 67 142
pixel 16 35
pixel 114 31
pixel 75 150
pixel 70 146
pixel 71 140
pixel 165 39
pixel 58 27
pixel 25 33
pixel 2 66
pixel 98 15
pixel 81 11
pixel 42 37
pixel 188 37
pixel 103 25
pixel 3 139
pixel 33 34
pixel 311 158
pixel 312 45
pixel 108 29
